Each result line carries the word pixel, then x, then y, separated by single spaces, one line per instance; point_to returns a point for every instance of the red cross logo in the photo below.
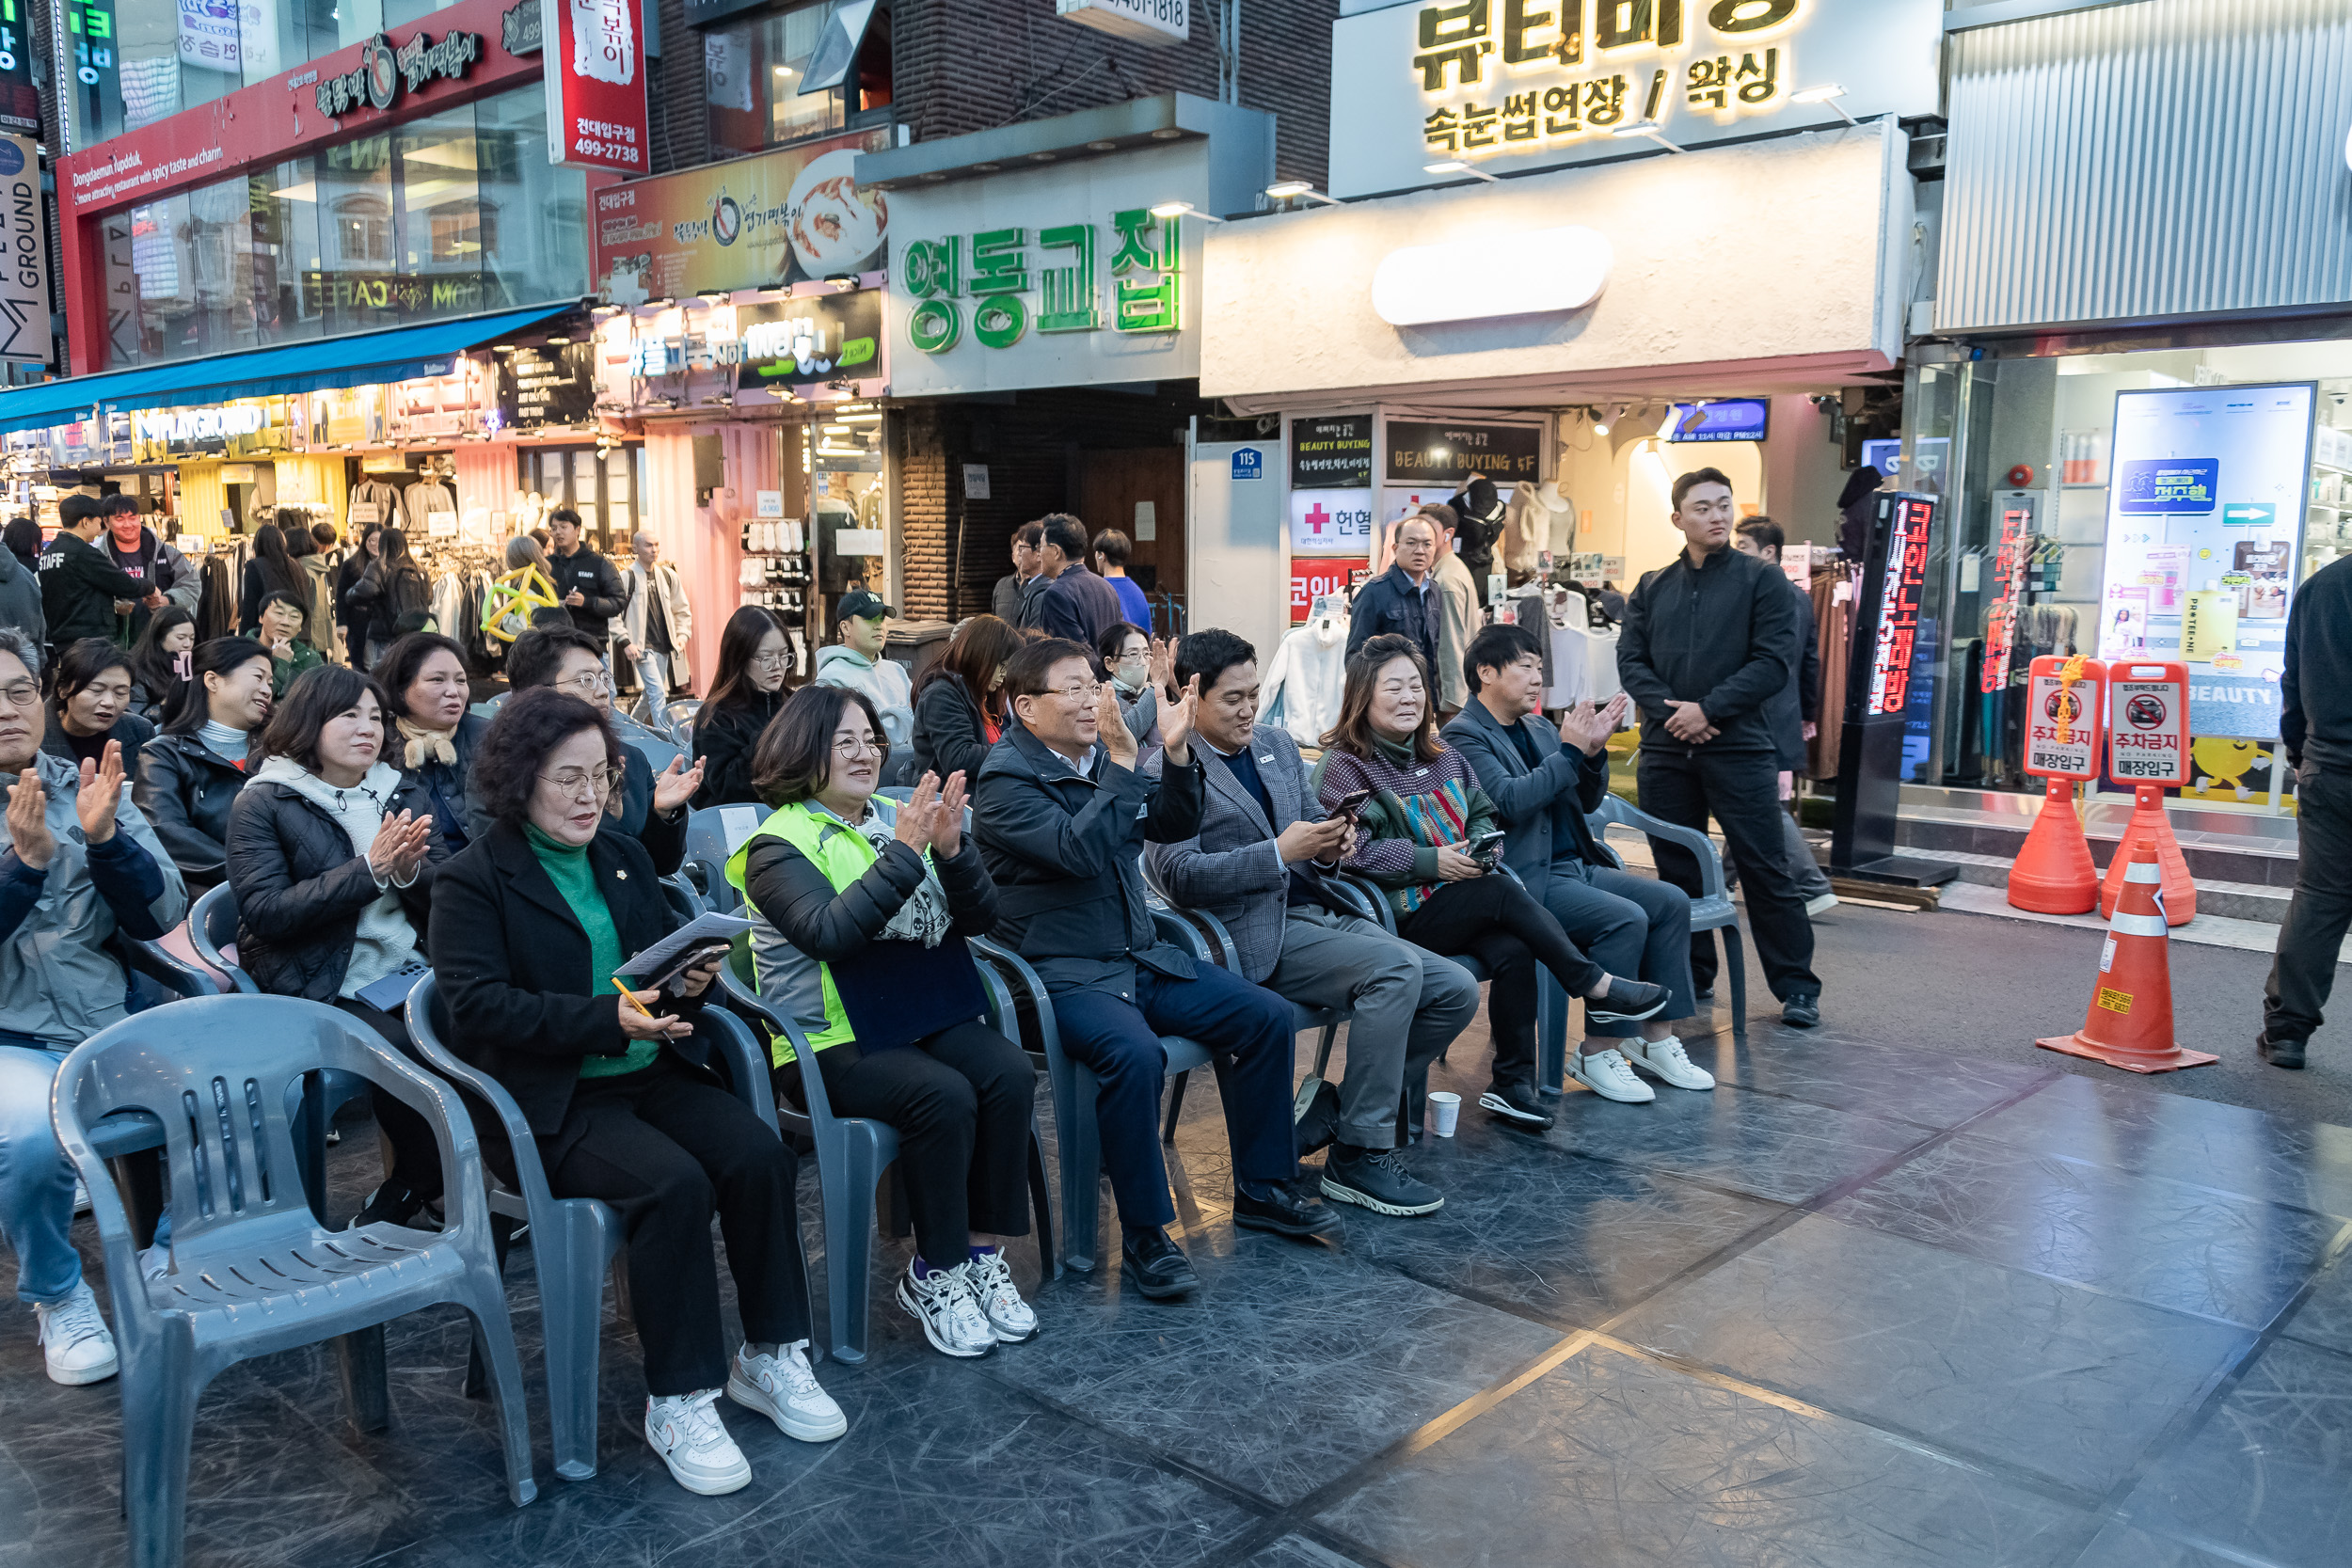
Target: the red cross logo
pixel 1317 518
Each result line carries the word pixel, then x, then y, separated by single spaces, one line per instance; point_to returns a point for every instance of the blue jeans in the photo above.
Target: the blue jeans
pixel 36 1178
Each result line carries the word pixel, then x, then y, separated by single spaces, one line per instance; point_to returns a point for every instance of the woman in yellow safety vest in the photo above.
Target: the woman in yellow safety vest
pixel 861 907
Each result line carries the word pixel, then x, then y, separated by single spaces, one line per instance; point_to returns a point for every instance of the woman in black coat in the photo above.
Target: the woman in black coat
pixel 189 776
pixel 746 693
pixel 92 705
pixel 331 855
pixel 959 707
pixel 529 926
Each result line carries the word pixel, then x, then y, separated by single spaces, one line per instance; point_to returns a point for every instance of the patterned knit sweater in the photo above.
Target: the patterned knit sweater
pixel 1416 809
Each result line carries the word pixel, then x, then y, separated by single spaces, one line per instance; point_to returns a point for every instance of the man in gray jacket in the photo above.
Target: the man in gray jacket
pixel 1253 864
pixel 80 864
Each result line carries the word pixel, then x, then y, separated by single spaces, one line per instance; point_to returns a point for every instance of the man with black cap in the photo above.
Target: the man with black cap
pixel 856 663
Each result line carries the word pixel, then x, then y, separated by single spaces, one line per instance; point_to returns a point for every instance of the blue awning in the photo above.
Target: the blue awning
pixel 360 359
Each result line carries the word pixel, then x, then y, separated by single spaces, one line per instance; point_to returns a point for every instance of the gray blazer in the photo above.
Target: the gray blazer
pixel 1230 867
pixel 1541 811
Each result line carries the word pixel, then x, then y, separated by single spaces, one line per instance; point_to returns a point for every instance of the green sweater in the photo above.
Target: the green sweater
pixel 568 867
pixel 284 672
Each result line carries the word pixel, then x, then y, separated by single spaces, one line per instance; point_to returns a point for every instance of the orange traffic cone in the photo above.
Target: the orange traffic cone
pixel 2152 826
pixel 2054 873
pixel 2129 1023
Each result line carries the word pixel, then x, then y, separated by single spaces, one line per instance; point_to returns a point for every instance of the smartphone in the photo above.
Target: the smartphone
pixel 1348 805
pixel 1486 848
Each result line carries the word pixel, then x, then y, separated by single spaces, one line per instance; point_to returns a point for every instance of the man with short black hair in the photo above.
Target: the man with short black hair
pixel 1061 815
pixel 79 584
pixel 1793 712
pixel 585 583
pixel 1111 550
pixel 1404 599
pixel 1458 612
pixel 1075 602
pixel 136 548
pixel 657 623
pixel 1255 863
pixel 860 662
pixel 1016 592
pixel 1709 640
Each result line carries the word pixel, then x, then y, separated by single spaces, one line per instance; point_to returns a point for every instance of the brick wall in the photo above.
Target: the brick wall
pixel 968 65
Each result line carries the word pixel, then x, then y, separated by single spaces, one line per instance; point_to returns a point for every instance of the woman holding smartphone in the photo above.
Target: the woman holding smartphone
pixel 1421 817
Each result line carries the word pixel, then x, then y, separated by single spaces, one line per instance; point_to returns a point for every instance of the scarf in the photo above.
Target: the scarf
pixel 923 918
pixel 423 745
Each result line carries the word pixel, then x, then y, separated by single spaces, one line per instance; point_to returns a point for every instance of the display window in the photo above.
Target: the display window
pixel 796 72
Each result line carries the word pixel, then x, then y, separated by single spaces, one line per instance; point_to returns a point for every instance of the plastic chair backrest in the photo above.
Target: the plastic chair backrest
pixel 1617 811
pixel 684 901
pixel 708 846
pixel 211 927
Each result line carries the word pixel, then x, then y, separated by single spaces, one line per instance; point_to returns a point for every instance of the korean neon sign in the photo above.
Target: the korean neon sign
pixel 1903 586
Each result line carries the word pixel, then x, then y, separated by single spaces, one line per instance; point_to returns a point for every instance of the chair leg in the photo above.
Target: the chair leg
pixel 1322 1047
pixel 571 1270
pixel 493 1331
pixel 1081 1172
pixel 159 1401
pixel 140 1177
pixel 1551 1034
pixel 367 1393
pixel 1736 962
pixel 850 1209
pixel 1175 1108
pixel 309 1141
pixel 1049 1261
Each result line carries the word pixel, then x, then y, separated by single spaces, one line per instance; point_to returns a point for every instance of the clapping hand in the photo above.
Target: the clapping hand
pixel 1110 726
pixel 28 823
pixel 400 848
pixel 1163 665
pixel 100 792
pixel 948 826
pixel 675 785
pixel 1176 720
pixel 917 816
pixel 1588 728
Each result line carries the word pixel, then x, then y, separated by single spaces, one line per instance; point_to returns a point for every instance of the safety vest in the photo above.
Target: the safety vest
pixel 843 854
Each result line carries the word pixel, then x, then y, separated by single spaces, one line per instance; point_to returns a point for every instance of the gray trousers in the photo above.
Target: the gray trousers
pixel 1631 925
pixel 1812 881
pixel 1407 1007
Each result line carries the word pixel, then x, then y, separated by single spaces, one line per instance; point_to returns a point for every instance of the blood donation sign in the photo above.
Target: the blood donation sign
pixel 2148 722
pixel 2062 732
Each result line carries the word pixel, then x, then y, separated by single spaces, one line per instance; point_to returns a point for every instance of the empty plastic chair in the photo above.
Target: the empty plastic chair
pixel 252 1271
pixel 213 931
pixel 711 834
pixel 575 1240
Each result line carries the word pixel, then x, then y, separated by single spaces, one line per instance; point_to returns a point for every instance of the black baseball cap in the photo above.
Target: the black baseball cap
pixel 860 604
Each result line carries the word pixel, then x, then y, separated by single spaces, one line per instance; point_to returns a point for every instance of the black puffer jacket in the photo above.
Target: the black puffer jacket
pixel 725 738
pixel 949 734
pixel 186 790
pixel 301 885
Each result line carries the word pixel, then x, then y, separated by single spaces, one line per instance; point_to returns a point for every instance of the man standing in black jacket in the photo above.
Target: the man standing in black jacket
pixel 2315 723
pixel 1405 600
pixel 1710 641
pixel 586 583
pixel 78 584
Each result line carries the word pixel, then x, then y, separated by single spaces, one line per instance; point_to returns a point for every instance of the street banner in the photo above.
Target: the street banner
pixel 594 69
pixel 24 338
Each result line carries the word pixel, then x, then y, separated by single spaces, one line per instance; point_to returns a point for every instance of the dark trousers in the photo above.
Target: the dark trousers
pixel 1629 925
pixel 2304 970
pixel 960 1101
pixel 1742 790
pixel 1118 1037
pixel 1492 919
pixel 412 1156
pixel 668 1148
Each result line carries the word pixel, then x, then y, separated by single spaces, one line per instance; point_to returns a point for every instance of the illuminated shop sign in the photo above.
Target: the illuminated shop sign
pixel 184 427
pixel 383 71
pixel 1049 279
pixel 1904 584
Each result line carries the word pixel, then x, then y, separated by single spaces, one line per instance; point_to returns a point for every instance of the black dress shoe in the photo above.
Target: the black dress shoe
pixel 2285 1054
pixel 1286 1213
pixel 1802 1011
pixel 1315 1115
pixel 1704 996
pixel 1157 1265
pixel 1626 1002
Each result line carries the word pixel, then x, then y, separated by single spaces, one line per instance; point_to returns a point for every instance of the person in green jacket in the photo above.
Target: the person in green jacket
pixel 281 620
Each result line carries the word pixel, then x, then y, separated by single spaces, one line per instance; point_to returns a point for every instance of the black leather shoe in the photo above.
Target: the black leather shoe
pixel 1286 1213
pixel 1157 1265
pixel 1315 1115
pixel 1704 996
pixel 2285 1054
pixel 1802 1011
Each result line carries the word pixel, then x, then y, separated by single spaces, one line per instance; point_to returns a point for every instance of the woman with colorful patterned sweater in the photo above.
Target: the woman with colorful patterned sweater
pixel 1426 834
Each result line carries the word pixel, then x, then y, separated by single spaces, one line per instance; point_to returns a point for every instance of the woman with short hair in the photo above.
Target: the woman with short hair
pixel 423 676
pixel 529 923
pixel 1140 667
pixel 90 704
pixel 190 775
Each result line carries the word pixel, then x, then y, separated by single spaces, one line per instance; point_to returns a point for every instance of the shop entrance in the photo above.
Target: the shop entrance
pixel 598 484
pixel 1140 492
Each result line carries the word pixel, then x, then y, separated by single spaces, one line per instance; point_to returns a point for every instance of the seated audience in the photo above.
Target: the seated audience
pixel 1542 779
pixel 859 662
pixel 89 707
pixel 746 693
pixel 1062 814
pixel 862 906
pixel 1254 864
pixel 81 866
pixel 283 617
pixel 331 856
pixel 159 663
pixel 648 808
pixel 189 775
pixel 960 705
pixel 1420 815
pixel 529 923
pixel 1138 664
pixel 423 676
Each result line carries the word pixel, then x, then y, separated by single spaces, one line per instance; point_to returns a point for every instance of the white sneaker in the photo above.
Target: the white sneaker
pixel 155 1262
pixel 784 1389
pixel 1665 1059
pixel 1820 903
pixel 989 1277
pixel 1608 1075
pixel 81 1197
pixel 685 1430
pixel 943 1302
pixel 74 1340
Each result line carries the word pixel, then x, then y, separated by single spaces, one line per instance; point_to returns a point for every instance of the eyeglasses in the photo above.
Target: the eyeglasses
pixel 599 782
pixel 1082 691
pixel 21 694
pixel 853 747
pixel 771 661
pixel 588 685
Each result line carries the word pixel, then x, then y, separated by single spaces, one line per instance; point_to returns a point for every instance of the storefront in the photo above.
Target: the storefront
pixel 2138 405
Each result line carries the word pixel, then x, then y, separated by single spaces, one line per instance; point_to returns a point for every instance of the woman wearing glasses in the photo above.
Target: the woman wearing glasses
pixel 746 694
pixel 529 925
pixel 331 854
pixel 650 807
pixel 861 910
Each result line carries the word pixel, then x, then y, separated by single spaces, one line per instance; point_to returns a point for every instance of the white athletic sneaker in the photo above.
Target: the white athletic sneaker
pixel 989 1277
pixel 685 1430
pixel 1665 1059
pixel 74 1338
pixel 784 1389
pixel 952 1321
pixel 1608 1075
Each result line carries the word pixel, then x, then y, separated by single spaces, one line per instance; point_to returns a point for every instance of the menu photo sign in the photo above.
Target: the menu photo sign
pixel 749 223
pixel 594 69
pixel 810 342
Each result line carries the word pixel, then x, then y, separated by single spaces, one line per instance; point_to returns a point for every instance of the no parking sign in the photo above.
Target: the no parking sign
pixel 2062 724
pixel 2148 722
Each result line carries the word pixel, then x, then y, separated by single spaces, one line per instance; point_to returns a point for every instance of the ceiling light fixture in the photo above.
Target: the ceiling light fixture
pixel 1184 210
pixel 1647 128
pixel 1456 166
pixel 1829 93
pixel 1291 190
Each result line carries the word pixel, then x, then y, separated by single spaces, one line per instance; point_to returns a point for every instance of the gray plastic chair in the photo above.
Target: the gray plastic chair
pixel 684 900
pixel 1711 910
pixel 252 1271
pixel 852 1154
pixel 575 1242
pixel 213 928
pixel 707 859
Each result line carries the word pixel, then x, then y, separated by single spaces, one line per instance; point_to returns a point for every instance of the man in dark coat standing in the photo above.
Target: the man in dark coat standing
pixel 1402 600
pixel 2315 723
pixel 587 585
pixel 1074 603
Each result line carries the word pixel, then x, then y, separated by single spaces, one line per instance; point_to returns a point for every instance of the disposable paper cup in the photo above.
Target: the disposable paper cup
pixel 1444 1110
